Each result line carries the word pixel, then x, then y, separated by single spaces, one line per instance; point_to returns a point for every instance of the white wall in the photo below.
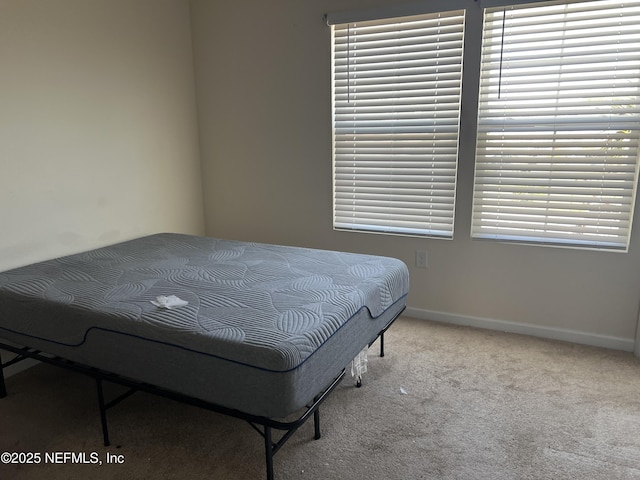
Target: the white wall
pixel 98 133
pixel 264 96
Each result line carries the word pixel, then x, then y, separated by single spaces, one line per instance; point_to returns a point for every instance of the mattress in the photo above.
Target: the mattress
pixel 265 329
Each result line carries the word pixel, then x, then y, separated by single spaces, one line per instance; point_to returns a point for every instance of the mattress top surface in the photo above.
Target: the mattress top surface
pixel 267 306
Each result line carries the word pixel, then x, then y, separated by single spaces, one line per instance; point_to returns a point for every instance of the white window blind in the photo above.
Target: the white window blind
pixel 396 103
pixel 559 124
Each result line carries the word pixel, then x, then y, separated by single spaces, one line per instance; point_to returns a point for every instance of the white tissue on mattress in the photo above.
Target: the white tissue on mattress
pixel 169 302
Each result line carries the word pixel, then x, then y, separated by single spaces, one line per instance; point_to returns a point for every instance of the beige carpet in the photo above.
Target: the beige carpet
pixel 445 402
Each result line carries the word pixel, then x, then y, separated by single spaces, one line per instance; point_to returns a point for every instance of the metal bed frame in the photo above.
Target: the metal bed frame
pixel 263 425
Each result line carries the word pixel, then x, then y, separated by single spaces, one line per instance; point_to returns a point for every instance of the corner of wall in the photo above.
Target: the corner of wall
pixel 636 349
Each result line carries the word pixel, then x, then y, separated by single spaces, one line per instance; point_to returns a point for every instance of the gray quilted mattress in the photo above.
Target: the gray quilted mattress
pixel 265 329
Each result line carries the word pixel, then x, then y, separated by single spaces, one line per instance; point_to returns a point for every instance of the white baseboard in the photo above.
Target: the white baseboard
pixel 574 336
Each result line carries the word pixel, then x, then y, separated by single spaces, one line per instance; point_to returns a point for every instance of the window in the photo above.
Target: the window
pixel 396 103
pixel 559 124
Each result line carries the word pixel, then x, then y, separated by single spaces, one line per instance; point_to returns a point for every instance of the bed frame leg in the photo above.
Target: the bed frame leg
pixel 382 344
pixel 3 387
pixel 103 413
pixel 268 448
pixel 316 424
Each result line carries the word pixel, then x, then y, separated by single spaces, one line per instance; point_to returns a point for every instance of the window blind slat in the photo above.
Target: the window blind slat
pixel 559 124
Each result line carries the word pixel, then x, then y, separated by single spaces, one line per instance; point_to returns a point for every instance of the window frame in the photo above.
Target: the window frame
pixel 403 210
pixel 516 214
pixel 464 203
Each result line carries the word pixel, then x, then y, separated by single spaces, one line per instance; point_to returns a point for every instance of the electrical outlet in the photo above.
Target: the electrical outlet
pixel 422 259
